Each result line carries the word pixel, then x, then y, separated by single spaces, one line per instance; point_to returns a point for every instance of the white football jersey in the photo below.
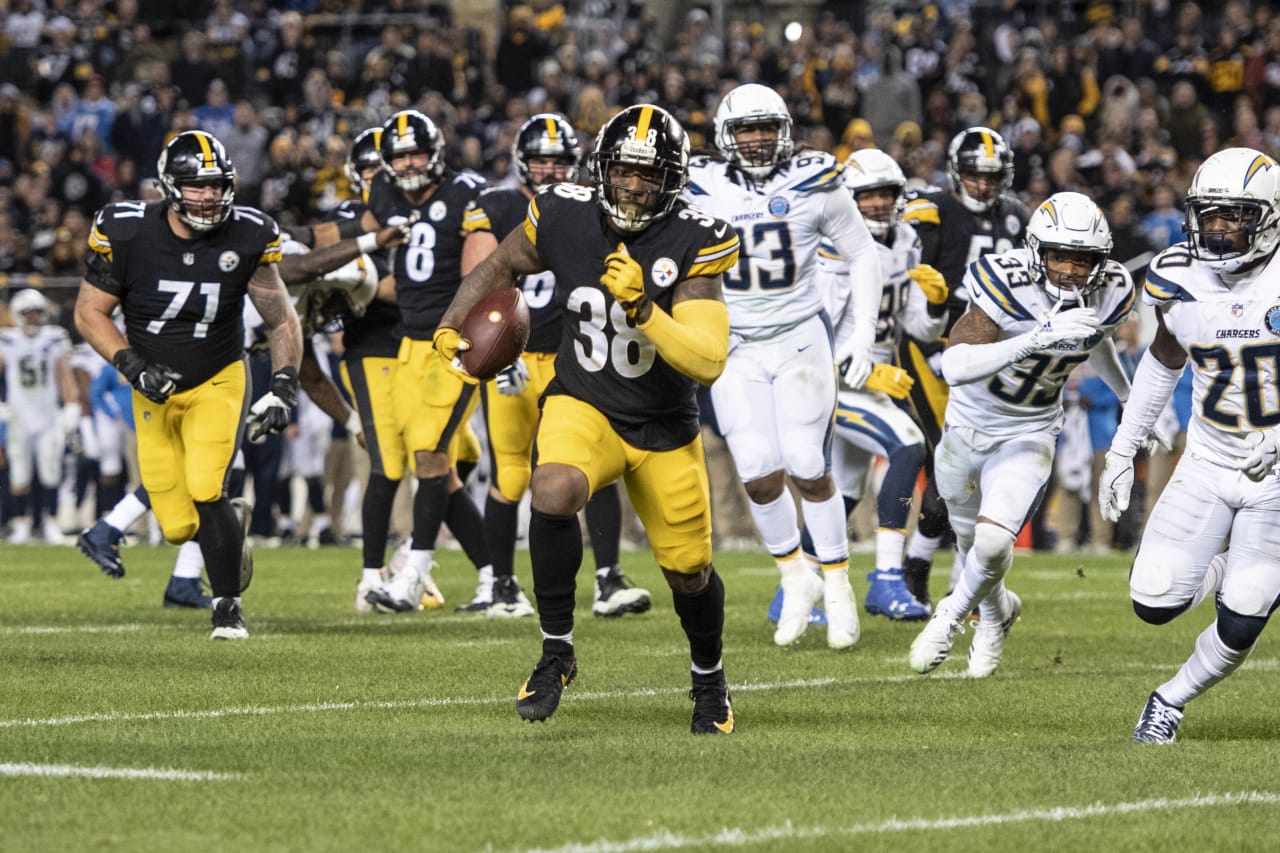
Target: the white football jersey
pixel 903 306
pixel 1026 396
pixel 780 221
pixel 1232 337
pixel 31 373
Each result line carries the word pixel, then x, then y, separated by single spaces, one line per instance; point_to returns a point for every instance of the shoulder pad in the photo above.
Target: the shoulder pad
pixel 985 278
pixel 1121 294
pixel 1169 276
pixel 921 210
pixel 815 171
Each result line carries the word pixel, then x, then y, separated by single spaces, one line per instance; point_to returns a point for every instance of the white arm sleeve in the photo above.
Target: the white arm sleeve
pixel 1153 385
pixel 915 318
pixel 844 227
pixel 1106 363
pixel 965 363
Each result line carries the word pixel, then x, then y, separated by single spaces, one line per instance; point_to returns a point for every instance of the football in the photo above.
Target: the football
pixel 498 328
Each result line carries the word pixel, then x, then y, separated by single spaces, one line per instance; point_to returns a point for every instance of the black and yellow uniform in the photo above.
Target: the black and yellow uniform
pixel 183 306
pixel 616 408
pixel 430 401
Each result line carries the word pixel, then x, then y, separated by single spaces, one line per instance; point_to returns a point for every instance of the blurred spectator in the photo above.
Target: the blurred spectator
pixel 57 62
pixel 892 99
pixel 23 26
pixel 282 191
pixel 193 71
pixel 142 125
pixel 1163 224
pixel 246 146
pixel 280 73
pixel 216 115
pixel 520 49
pixel 94 112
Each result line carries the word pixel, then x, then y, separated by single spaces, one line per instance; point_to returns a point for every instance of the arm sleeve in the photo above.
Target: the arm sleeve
pixel 694 338
pixel 965 363
pixel 916 319
pixel 848 233
pixel 1153 385
pixel 1106 363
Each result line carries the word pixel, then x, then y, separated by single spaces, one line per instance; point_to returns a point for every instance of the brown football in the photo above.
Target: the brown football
pixel 498 328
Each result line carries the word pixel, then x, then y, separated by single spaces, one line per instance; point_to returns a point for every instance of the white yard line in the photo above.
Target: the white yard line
pixel 770 835
pixel 75 629
pixel 114 772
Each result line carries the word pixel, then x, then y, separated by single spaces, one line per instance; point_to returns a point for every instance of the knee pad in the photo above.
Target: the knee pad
pixel 993 547
pixel 804 463
pixel 1157 615
pixel 1237 631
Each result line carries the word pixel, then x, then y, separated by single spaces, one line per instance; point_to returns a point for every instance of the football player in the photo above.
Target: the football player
pixel 777 396
pixel 1216 298
pixel 43 404
pixel 638 276
pixel 1034 314
pixel 546 152
pixel 180 270
pixel 975 215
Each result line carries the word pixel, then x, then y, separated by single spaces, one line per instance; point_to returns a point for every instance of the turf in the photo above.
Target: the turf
pixel 329 730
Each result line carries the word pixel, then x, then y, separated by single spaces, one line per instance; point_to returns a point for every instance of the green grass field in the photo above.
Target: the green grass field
pixel 329 730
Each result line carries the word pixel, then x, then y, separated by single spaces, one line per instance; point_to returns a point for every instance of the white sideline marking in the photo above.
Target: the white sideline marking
pixel 317 707
pixel 738 837
pixel 114 772
pixel 72 629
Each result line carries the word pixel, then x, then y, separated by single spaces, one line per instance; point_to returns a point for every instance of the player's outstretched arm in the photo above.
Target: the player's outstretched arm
pixel 514 257
pixel 300 269
pixel 284 332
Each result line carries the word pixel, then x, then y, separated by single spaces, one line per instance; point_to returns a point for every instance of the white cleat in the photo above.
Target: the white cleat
pixel 400 594
pixel 801 590
pixel 51 532
pixel 933 644
pixel 988 639
pixel 363 588
pixel 843 629
pixel 20 531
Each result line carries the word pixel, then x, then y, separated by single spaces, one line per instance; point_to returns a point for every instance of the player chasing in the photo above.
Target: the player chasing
pixel 639 275
pixel 1217 300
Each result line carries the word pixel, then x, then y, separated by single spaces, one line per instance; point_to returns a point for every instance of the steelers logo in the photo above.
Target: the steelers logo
pixel 228 261
pixel 664 272
pixel 437 211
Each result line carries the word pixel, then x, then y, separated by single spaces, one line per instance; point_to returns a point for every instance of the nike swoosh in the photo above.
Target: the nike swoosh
pixel 727 725
pixel 721 230
pixel 803 348
pixel 524 694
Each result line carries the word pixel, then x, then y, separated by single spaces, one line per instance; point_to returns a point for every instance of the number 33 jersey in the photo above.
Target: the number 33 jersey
pixel 1026 396
pixel 1232 338
pixel 183 300
pixel 603 359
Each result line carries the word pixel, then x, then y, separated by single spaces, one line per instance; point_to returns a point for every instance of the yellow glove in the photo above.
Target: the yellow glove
pixel 449 343
pixel 893 381
pixel 931 282
pixel 625 279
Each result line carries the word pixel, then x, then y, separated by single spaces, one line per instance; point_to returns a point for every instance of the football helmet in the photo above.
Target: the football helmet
pixel 869 169
pixel 1070 222
pixel 978 150
pixel 545 135
pixel 411 132
pixel 649 137
pixel 1236 185
pixel 30 310
pixel 748 104
pixel 196 157
pixel 363 155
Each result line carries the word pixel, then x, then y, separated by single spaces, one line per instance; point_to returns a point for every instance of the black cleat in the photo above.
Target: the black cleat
pixel 186 592
pixel 539 696
pixel 616 595
pixel 228 620
pixel 916 574
pixel 712 710
pixel 101 543
pixel 1159 722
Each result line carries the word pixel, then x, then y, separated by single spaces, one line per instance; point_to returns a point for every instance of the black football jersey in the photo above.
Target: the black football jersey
pixel 428 268
pixel 500 211
pixel 373 334
pixel 952 236
pixel 183 300
pixel 603 359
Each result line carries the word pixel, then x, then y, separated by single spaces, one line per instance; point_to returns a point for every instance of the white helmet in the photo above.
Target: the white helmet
pixel 749 104
pixel 1073 223
pixel 1240 183
pixel 869 169
pixel 23 303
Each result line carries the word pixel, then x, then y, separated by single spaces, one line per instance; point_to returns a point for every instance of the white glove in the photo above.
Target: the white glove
pixel 854 369
pixel 511 381
pixel 89 444
pixel 358 278
pixel 1114 486
pixel 1266 452
pixel 1074 324
pixel 69 419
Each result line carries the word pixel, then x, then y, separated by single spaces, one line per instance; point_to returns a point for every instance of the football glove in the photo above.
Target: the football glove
pixel 511 381
pixel 153 381
pixel 1266 452
pixel 1114 486
pixel 449 343
pixel 1074 324
pixel 270 415
pixel 892 380
pixel 931 282
pixel 625 279
pixel 854 370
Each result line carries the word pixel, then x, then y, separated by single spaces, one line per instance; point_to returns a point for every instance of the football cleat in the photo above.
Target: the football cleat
pixel 915 574
pixel 1159 722
pixel 843 630
pixel 363 588
pixel 539 696
pixel 51 532
pixel 483 599
pixel 244 514
pixel 816 616
pixel 101 543
pixel 615 595
pixel 933 644
pixel 186 592
pixel 20 531
pixel 404 592
pixel 509 602
pixel 228 620
pixel 712 708
pixel 801 591
pixel 988 638
pixel 889 596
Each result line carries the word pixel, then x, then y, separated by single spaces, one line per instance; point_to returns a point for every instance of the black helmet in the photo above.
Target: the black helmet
pixel 978 150
pixel 196 157
pixel 411 132
pixel 546 135
pixel 363 155
pixel 646 136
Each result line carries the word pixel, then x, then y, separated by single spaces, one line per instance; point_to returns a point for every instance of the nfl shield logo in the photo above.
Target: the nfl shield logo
pixel 188 258
pixel 1237 310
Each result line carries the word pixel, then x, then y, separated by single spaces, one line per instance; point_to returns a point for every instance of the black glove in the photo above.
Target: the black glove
pixel 153 381
pixel 270 415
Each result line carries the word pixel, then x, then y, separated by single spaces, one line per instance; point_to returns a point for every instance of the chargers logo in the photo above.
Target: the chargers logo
pixel 664 272
pixel 779 206
pixel 1273 320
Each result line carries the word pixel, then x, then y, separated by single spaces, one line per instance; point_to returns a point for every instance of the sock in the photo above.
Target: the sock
pixel 430 505
pixel 826 521
pixel 190 560
pixel 889 544
pixel 923 547
pixel 778 524
pixel 555 546
pixel 467 527
pixel 604 523
pixel 1212 661
pixel 992 608
pixel 320 523
pixel 702 617
pixel 315 495
pixel 375 518
pixel 557 645
pixel 371 576
pixel 500 524
pixel 127 512
pixel 221 544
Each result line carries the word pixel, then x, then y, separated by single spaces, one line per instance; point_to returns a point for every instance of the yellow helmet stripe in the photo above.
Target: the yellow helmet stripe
pixel 402 123
pixel 988 144
pixel 206 151
pixel 551 131
pixel 642 125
